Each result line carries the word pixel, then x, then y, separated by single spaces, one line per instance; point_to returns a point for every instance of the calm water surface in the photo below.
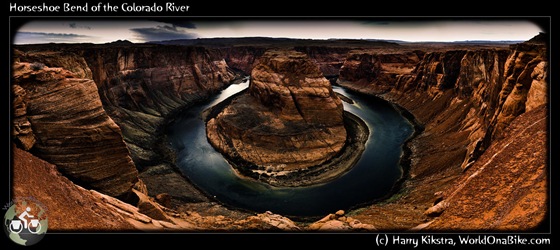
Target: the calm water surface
pixel 372 177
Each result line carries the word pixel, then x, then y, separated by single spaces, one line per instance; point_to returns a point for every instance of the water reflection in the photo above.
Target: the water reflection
pixel 372 177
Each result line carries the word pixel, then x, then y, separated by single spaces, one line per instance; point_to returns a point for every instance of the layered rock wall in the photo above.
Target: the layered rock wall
pixel 140 86
pixel 64 116
pixel 465 100
pixel 289 119
pixel 506 188
pixel 478 91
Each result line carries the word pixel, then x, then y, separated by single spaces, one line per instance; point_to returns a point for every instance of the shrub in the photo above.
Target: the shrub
pixel 37 66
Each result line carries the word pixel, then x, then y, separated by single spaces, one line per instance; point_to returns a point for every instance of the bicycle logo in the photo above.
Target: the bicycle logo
pixel 17 225
pixel 25 221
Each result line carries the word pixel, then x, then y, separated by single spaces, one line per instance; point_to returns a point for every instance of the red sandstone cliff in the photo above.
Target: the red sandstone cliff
pixel 66 125
pixel 465 99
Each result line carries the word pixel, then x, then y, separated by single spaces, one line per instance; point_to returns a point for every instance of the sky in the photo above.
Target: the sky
pixel 160 29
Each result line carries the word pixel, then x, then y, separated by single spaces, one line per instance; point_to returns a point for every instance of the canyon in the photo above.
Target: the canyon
pixel 92 119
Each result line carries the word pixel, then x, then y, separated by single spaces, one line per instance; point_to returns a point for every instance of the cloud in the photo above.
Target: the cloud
pixel 161 33
pixel 175 22
pixel 76 26
pixel 183 24
pixel 42 37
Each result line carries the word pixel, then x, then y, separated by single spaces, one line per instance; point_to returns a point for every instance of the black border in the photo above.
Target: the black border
pixel 280 10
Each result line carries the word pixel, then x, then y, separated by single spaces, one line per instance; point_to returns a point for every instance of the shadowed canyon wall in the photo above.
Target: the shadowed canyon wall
pixel 141 86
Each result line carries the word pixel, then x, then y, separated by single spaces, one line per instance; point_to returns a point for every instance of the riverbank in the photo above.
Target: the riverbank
pixel 430 167
pixel 405 162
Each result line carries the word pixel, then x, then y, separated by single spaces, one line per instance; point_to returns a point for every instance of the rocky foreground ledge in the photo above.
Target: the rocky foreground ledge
pixel 289 128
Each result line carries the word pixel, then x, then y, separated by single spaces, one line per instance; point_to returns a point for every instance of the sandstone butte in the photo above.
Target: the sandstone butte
pixel 479 163
pixel 289 119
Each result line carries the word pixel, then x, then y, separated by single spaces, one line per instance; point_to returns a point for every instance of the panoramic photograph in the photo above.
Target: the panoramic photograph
pixel 178 124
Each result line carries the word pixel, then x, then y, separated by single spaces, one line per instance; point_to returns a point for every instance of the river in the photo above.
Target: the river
pixel 371 178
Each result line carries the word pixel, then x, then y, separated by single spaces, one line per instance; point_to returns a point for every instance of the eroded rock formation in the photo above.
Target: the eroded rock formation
pixel 507 184
pixel 289 119
pixel 141 86
pixel 464 99
pixel 63 114
pixel 478 85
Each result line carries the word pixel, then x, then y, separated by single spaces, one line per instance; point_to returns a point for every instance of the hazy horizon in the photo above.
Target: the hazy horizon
pixel 142 31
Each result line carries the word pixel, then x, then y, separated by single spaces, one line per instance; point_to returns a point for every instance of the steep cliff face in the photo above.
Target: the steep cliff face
pixel 465 82
pixel 506 189
pixel 329 59
pixel 155 79
pixel 140 86
pixel 525 66
pixel 464 99
pixel 468 92
pixel 241 58
pixel 376 71
pixel 289 119
pixel 71 128
pixel 66 60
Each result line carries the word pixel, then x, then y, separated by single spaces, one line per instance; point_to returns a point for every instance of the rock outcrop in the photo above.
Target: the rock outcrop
pixel 506 189
pixel 290 119
pixel 376 72
pixel 339 222
pixel 525 84
pixel 329 59
pixel 21 127
pixel 71 128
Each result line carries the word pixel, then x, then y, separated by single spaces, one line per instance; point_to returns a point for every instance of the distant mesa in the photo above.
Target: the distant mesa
pixel 290 118
pixel 278 42
pixel 120 42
